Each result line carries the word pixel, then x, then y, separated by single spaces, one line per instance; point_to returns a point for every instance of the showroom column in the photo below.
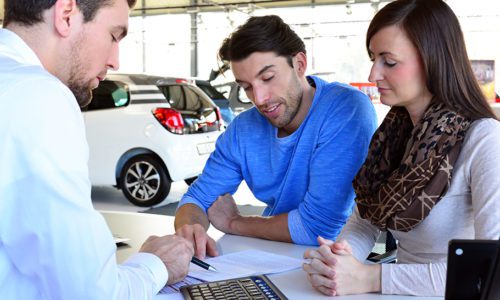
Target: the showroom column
pixel 143 36
pixel 194 40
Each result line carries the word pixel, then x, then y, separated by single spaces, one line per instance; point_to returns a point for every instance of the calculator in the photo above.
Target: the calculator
pixel 244 288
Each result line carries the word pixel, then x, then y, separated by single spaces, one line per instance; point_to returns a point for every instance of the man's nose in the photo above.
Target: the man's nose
pixel 113 62
pixel 261 96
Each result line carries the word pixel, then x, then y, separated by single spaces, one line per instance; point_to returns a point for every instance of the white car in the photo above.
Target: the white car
pixel 141 142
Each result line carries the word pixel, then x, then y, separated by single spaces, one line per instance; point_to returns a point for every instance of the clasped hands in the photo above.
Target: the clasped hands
pixel 333 270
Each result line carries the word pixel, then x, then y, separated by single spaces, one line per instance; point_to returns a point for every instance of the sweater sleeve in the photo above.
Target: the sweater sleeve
pixel 485 180
pixel 403 279
pixel 414 279
pixel 222 173
pixel 360 234
pixel 342 146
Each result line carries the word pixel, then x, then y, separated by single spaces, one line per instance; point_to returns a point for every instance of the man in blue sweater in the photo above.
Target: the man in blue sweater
pixel 298 149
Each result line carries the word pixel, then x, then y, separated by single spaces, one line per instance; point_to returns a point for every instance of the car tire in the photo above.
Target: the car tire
pixel 190 181
pixel 144 181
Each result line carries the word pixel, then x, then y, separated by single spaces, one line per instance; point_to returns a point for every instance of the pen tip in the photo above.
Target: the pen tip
pixel 212 269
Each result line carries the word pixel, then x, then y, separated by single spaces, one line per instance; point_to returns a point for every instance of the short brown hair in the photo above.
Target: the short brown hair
pixel 262 34
pixel 29 12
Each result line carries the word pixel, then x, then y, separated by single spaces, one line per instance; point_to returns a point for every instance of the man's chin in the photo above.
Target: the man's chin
pixel 276 123
pixel 83 97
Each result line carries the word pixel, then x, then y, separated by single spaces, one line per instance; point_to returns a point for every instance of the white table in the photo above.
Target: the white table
pixel 294 284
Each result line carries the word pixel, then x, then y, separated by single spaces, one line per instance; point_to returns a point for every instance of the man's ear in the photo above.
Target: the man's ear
pixel 300 63
pixel 65 12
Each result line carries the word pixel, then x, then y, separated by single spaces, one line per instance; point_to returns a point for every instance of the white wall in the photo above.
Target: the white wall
pixel 167 44
pixel 334 39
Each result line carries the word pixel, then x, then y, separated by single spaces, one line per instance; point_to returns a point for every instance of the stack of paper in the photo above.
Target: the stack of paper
pixel 245 263
pixel 237 264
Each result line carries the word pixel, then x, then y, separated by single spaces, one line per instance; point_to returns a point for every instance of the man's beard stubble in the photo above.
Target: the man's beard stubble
pixel 76 82
pixel 81 90
pixel 293 100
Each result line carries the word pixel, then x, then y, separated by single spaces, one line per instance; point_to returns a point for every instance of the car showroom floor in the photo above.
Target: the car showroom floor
pixel 109 198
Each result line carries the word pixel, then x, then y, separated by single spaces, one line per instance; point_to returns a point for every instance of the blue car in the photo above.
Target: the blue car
pixel 219 99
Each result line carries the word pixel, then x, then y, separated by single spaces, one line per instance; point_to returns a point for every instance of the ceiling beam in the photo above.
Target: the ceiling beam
pixel 158 7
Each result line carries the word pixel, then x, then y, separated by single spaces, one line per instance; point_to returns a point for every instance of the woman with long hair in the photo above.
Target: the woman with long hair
pixel 432 170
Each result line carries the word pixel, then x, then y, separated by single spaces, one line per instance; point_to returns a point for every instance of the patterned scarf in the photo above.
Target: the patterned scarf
pixel 408 169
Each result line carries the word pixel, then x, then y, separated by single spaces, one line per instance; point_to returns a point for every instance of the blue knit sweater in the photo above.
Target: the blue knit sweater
pixel 307 174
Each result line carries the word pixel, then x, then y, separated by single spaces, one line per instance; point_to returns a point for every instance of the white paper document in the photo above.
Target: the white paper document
pixel 176 288
pixel 234 265
pixel 245 263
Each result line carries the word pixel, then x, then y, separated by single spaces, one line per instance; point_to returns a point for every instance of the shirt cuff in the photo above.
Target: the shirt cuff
pixel 385 276
pixel 191 200
pixel 297 231
pixel 154 264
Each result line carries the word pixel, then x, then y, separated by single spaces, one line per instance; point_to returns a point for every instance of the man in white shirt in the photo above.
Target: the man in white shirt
pixel 53 244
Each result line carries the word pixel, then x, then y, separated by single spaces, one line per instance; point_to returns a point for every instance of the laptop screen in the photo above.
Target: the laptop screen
pixel 469 264
pixel 491 289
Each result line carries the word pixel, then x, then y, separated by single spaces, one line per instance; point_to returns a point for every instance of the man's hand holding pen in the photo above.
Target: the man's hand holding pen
pixel 175 252
pixel 202 264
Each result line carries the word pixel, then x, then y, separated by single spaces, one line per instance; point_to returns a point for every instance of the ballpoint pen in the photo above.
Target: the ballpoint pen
pixel 202 264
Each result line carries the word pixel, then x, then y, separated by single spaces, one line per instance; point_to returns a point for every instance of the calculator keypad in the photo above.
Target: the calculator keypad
pixel 252 287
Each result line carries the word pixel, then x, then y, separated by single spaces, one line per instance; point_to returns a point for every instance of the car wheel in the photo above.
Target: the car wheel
pixel 189 181
pixel 144 181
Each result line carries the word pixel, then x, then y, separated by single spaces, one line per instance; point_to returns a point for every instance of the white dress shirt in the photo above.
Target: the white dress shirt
pixel 53 244
pixel 470 209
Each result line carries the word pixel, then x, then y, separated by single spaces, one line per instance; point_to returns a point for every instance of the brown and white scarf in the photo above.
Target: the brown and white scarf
pixel 408 169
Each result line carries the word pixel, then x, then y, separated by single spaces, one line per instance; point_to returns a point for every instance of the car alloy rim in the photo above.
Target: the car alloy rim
pixel 142 180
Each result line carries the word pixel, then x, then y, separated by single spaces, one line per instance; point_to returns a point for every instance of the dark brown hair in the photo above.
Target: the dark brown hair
pixel 30 12
pixel 434 30
pixel 261 34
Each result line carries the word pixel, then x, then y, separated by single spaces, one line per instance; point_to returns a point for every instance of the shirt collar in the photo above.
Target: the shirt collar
pixel 15 47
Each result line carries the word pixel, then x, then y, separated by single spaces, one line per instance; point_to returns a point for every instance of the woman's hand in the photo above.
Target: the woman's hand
pixel 319 271
pixel 335 271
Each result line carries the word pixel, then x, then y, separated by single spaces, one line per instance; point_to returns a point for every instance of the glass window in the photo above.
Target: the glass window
pixel 194 102
pixel 109 94
pixel 184 98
